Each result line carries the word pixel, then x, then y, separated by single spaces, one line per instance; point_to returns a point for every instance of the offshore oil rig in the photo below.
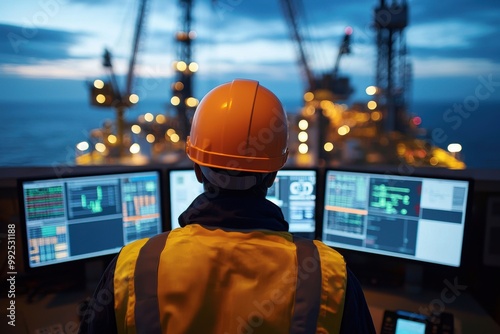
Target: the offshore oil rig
pixel 325 132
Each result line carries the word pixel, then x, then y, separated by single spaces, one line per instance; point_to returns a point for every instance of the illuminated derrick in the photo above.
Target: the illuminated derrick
pixel 393 71
pixel 182 89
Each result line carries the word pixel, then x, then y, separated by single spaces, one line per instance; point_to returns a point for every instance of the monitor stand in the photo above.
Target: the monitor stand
pixel 413 282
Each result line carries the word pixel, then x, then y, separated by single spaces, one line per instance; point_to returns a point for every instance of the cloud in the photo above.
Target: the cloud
pixel 250 38
pixel 454 39
pixel 438 35
pixel 223 12
pixel 452 34
pixel 76 69
pixel 22 45
pixel 453 48
pixel 484 11
pixel 448 67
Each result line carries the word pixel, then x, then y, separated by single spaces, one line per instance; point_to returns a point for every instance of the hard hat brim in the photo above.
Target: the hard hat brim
pixel 234 162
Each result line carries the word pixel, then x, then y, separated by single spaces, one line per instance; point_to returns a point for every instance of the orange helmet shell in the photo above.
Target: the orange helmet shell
pixel 239 125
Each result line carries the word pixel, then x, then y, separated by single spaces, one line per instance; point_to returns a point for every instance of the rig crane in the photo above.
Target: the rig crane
pixel 327 86
pixel 148 137
pixel 335 87
pixel 108 94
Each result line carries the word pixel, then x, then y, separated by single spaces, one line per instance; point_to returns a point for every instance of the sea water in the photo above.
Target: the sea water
pixel 45 133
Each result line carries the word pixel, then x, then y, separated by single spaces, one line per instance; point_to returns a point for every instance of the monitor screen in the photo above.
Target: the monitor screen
pixel 418 218
pixel 294 191
pixel 74 218
pixel 184 188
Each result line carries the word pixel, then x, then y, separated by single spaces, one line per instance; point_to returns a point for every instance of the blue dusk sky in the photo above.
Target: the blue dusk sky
pixel 50 48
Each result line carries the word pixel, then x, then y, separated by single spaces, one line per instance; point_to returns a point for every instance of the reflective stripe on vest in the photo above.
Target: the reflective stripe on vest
pixel 147 314
pixel 308 290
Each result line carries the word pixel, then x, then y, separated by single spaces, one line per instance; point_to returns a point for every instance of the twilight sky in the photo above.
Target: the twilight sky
pixel 50 48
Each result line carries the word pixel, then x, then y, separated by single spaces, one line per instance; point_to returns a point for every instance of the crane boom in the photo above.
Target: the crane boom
pixel 108 94
pixel 135 47
pixel 290 12
pixel 337 88
pixel 343 49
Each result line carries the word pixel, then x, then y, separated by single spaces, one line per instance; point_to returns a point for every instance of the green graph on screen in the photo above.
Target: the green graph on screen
pixel 93 206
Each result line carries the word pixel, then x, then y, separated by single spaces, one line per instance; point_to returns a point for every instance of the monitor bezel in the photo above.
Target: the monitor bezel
pixel 76 264
pixel 319 191
pixel 168 203
pixel 382 259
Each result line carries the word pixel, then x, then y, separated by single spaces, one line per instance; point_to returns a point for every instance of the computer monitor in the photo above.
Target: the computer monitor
pixel 419 218
pixel 294 191
pixel 183 188
pixel 80 217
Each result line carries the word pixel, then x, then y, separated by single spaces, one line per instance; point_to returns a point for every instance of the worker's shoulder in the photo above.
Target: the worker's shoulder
pixel 329 254
pixel 136 245
pixel 133 248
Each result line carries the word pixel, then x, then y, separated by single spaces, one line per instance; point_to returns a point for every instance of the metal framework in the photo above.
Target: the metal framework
pixel 392 70
pixel 183 85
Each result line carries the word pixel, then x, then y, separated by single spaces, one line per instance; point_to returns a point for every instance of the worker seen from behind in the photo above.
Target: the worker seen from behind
pixel 232 267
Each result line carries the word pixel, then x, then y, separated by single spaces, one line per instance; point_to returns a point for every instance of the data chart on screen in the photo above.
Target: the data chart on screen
pixel 72 218
pixel 419 218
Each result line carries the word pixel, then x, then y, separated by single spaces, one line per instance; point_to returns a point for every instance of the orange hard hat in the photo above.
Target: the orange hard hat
pixel 241 126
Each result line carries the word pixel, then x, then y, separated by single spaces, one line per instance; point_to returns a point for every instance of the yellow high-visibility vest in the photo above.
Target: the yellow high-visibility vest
pixel 209 280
